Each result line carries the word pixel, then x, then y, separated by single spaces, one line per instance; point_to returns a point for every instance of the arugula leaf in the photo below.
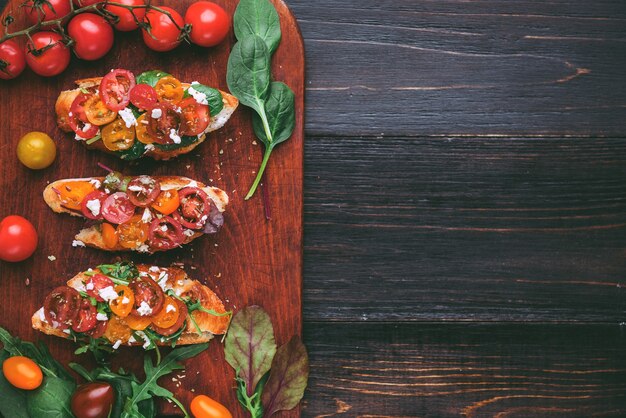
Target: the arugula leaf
pixel 252 404
pixel 250 345
pixel 281 115
pixel 13 400
pixel 123 271
pixel 248 72
pixel 288 378
pixel 150 77
pixel 213 96
pixel 258 17
pixel 52 399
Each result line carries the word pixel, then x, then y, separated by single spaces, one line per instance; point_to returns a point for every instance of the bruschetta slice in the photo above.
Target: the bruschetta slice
pixel 152 115
pixel 142 213
pixel 133 305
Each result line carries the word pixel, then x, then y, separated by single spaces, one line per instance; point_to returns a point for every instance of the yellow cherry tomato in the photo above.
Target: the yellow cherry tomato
pixel 204 407
pixel 124 302
pixel 36 150
pixel 109 235
pixel 138 323
pixel 22 372
pixel 96 111
pixel 169 90
pixel 117 137
pixel 141 130
pixel 167 202
pixel 72 193
pixel 168 315
pixel 132 234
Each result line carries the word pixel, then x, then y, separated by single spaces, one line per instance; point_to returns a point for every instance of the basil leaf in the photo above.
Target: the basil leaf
pixel 257 17
pixel 213 96
pixel 281 115
pixel 288 379
pixel 248 73
pixel 250 345
pixel 13 400
pixel 184 141
pixel 136 151
pixel 52 399
pixel 150 77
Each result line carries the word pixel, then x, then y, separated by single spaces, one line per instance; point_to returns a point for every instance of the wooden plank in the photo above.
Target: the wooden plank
pixel 457 67
pixel 452 370
pixel 247 259
pixel 465 229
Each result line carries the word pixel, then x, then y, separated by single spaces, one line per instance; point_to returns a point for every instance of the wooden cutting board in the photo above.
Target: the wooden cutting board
pixel 251 261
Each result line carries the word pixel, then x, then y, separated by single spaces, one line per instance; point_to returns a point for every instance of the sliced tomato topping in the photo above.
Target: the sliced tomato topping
pixel 86 317
pixel 118 208
pixel 61 306
pixel 149 297
pixel 123 305
pixel 96 283
pixel 116 136
pixel 162 127
pixel 72 193
pixel 195 205
pixel 168 315
pixel 169 90
pixel 99 330
pixel 115 89
pixel 195 117
pixel 167 202
pixel 132 234
pixel 143 96
pixel 141 130
pixel 109 235
pixel 78 118
pixel 143 190
pixel 91 206
pixel 180 321
pixel 97 113
pixel 137 323
pixel 166 233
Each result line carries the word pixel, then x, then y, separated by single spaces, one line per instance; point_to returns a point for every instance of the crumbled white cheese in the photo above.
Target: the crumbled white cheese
pixel 108 293
pixel 79 138
pixel 42 316
pixel 89 286
pixel 135 188
pixel 156 113
pixel 51 258
pixel 67 331
pixel 132 340
pixel 199 96
pixel 93 206
pixel 78 243
pixel 128 117
pixel 80 287
pixel 188 232
pixel 164 228
pixel 192 183
pixel 125 301
pixel 154 269
pixel 174 136
pixel 117 344
pixel 162 281
pixel 96 183
pixel 149 147
pixel 86 127
pixel 170 308
pixel 145 338
pixel 102 317
pixel 144 248
pixel 144 309
pixel 147 216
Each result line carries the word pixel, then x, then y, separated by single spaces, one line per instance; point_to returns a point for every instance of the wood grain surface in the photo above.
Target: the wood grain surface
pixel 251 261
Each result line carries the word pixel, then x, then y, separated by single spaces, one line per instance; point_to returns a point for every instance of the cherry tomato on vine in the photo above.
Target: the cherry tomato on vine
pixel 93 400
pixel 127 22
pixel 22 372
pixel 204 407
pixel 46 10
pixel 47 55
pixel 12 60
pixel 93 36
pixel 83 3
pixel 18 238
pixel 209 23
pixel 36 150
pixel 164 33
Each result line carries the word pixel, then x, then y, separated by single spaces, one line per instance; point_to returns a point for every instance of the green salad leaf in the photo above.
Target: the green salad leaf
pixel 150 77
pixel 214 97
pixel 52 398
pixel 281 115
pixel 258 17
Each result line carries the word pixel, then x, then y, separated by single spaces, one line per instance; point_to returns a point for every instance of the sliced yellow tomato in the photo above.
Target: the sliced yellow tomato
pixel 134 233
pixel 143 135
pixel 169 90
pixel 97 113
pixel 168 315
pixel 138 323
pixel 109 235
pixel 117 329
pixel 124 303
pixel 72 193
pixel 167 202
pixel 117 137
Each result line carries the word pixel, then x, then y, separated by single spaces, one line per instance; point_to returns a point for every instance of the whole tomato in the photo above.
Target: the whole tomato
pixel 209 23
pixel 18 239
pixel 47 55
pixel 93 36
pixel 165 32
pixel 127 22
pixel 22 372
pixel 46 9
pixel 93 400
pixel 83 3
pixel 204 407
pixel 12 60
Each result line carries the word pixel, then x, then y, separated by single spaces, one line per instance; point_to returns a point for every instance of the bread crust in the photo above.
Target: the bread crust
pixel 66 98
pixel 92 236
pixel 209 325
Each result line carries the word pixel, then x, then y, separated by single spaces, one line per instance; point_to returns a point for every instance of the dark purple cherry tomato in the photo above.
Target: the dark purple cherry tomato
pixel 93 400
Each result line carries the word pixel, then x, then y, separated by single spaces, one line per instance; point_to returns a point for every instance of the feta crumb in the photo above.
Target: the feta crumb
pixel 96 183
pixel 144 248
pixel 125 301
pixel 162 281
pixel 78 243
pixel 42 316
pixel 164 228
pixel 89 286
pixel 108 293
pixel 144 309
pixel 174 136
pixel 135 188
pixel 170 308
pixel 86 127
pixel 145 338
pixel 51 258
pixel 102 317
pixel 188 232
pixel 128 117
pixel 93 206
pixel 117 344
pixel 192 183
pixel 197 95
pixel 147 216
pixel 67 331
pixel 80 287
pixel 156 113
pixel 132 340
pixel 154 269
pixel 149 147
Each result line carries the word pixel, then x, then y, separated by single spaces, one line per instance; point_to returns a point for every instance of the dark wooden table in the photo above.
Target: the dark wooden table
pixel 465 208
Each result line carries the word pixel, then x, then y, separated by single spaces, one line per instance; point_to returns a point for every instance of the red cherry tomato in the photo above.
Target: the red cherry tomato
pixel 143 190
pixel 86 319
pixel 18 239
pixel 165 31
pixel 51 61
pixel 46 10
pixel 166 233
pixel 195 117
pixel 143 96
pixel 61 306
pixel 91 206
pixel 93 400
pixel 12 60
pixel 147 291
pixel 78 118
pixel 127 22
pixel 83 3
pixel 194 209
pixel 93 36
pixel 96 283
pixel 209 23
pixel 115 89
pixel 160 129
pixel 118 208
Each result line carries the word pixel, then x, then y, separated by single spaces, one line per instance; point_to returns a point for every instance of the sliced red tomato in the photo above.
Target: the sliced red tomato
pixel 118 208
pixel 132 234
pixel 115 89
pixel 60 307
pixel 166 233
pixel 148 294
pixel 195 205
pixel 143 190
pixel 161 128
pixel 91 206
pixel 143 96
pixel 78 118
pixel 86 317
pixel 96 283
pixel 180 321
pixel 195 117
pixel 99 330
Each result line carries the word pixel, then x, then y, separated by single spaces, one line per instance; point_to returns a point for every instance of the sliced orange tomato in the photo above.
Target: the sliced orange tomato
pixel 134 233
pixel 137 323
pixel 167 202
pixel 168 315
pixel 97 113
pixel 117 330
pixel 117 137
pixel 169 90
pixel 72 193
pixel 143 135
pixel 109 235
pixel 124 303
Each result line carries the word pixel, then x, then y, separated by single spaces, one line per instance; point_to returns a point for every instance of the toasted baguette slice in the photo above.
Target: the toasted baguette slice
pixel 92 236
pixel 117 331
pixel 66 98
